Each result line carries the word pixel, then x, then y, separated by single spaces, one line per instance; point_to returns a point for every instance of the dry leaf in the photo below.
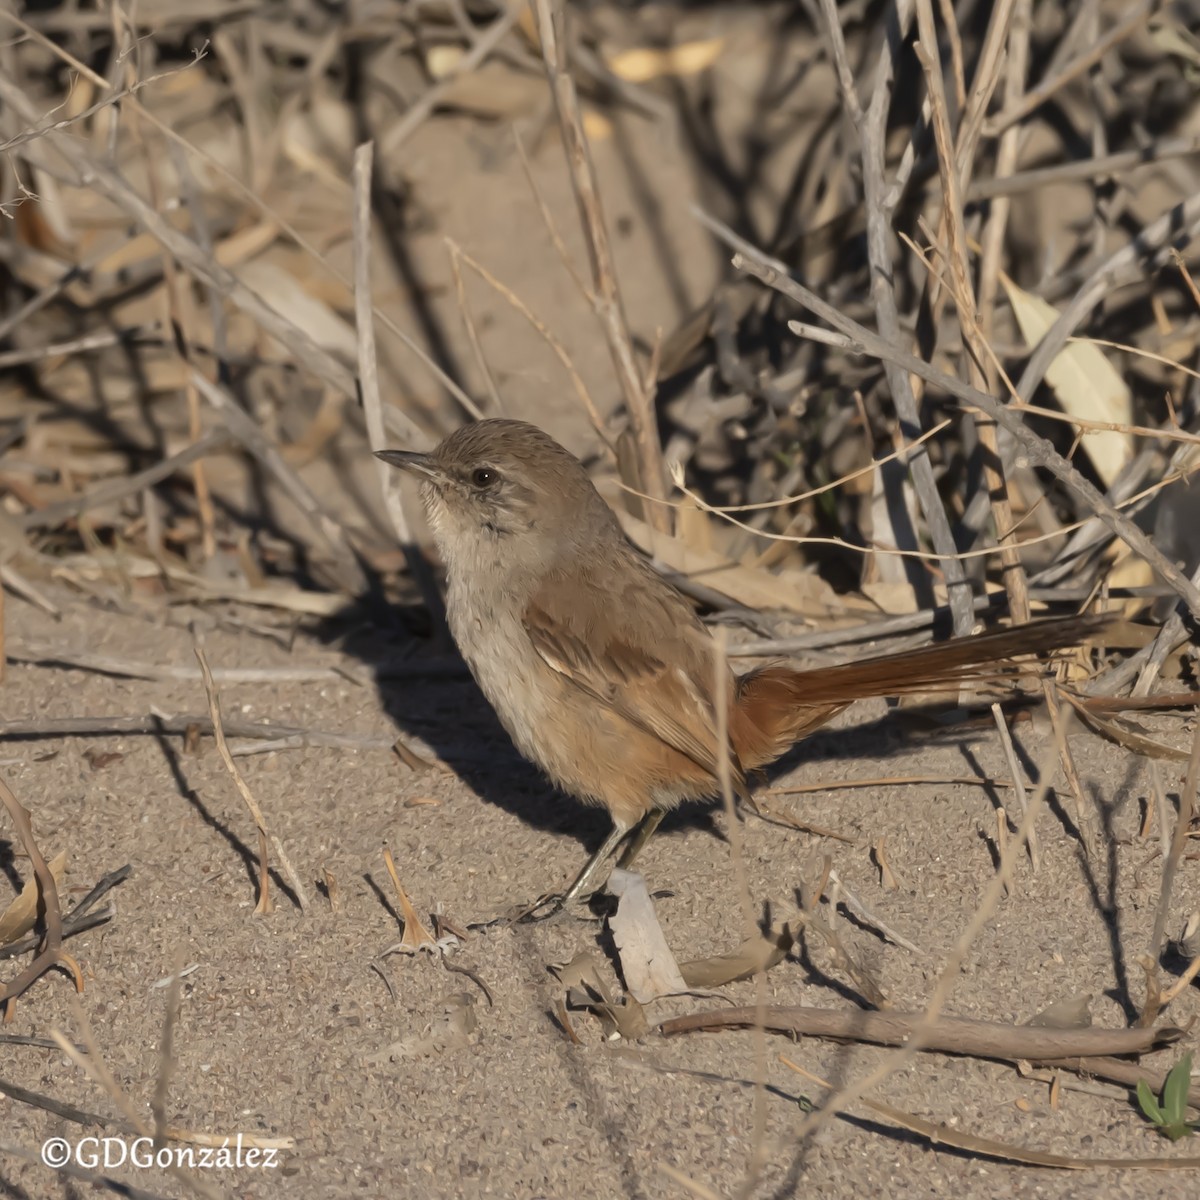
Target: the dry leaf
pixel 1174 38
pixel 286 597
pixel 1189 936
pixel 586 990
pixel 416 936
pixel 759 953
pixel 21 915
pixel 647 963
pixel 99 759
pixel 645 63
pixel 887 877
pixel 495 91
pixel 320 138
pixel 286 295
pixel 626 1020
pixel 596 126
pixel 245 244
pixel 134 250
pixel 1086 383
pixel 895 597
pixel 693 527
pixel 1130 570
pixel 793 591
pixel 46 225
pixel 456 1027
pixel 1072 1013
pixel 582 972
pixel 441 61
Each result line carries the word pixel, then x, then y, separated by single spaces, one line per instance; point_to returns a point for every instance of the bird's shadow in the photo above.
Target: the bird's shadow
pixel 452 717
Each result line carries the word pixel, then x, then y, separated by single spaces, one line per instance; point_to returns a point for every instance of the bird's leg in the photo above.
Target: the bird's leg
pixel 587 877
pixel 594 865
pixel 642 833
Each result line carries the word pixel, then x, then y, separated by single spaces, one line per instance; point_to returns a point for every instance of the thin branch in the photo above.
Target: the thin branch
pixel 368 377
pixel 1034 99
pixel 1036 451
pixel 1010 182
pixel 51 954
pixel 1183 825
pixel 264 906
pixel 872 130
pixel 345 566
pixel 419 111
pixel 87 171
pixel 952 220
pixel 950 1035
pixel 118 489
pixel 639 401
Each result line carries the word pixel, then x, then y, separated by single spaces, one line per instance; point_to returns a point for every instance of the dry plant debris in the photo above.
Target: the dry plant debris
pixel 647 964
pixel 50 952
pixel 456 1027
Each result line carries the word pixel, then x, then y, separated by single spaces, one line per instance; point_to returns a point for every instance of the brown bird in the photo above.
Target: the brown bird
pixel 601 673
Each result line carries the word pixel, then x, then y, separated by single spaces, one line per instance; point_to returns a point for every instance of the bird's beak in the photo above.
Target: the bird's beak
pixel 408 460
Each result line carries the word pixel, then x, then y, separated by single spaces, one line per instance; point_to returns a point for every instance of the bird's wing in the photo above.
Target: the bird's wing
pixel 651 668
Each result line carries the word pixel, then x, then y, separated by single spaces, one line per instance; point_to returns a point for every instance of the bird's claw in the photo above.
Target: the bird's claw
pixel 545 910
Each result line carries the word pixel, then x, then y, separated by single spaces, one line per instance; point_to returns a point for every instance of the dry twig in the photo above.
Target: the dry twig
pixel 51 954
pixel 264 906
pixel 639 400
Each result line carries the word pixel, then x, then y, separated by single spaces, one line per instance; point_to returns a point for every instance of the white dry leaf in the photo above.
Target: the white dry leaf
pixel 21 915
pixel 286 295
pixel 644 63
pixel 883 567
pixel 647 963
pixel 216 149
pixel 441 61
pixel 693 527
pixel 1189 936
pixel 1086 383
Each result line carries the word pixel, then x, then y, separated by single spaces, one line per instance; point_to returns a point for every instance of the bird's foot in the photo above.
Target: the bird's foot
pixel 546 909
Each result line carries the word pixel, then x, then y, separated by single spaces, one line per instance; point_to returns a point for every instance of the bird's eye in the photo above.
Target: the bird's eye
pixel 483 477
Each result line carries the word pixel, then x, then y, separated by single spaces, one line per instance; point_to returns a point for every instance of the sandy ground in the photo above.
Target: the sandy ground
pixel 283 1019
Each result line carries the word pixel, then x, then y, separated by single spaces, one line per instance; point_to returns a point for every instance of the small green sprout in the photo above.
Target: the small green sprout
pixel 1169 1113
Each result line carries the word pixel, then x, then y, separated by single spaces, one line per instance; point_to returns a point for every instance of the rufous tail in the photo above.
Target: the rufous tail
pixel 777 705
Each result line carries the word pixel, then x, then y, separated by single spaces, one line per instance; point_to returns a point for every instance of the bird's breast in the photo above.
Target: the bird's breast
pixel 510 673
